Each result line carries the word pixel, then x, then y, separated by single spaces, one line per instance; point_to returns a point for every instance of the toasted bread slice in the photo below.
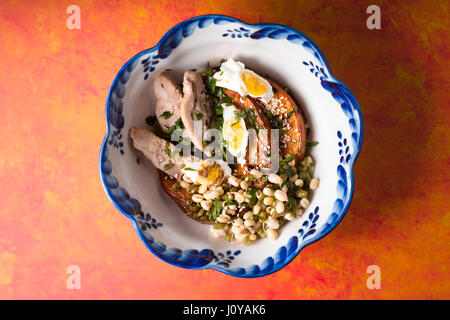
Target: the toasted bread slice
pixel 179 195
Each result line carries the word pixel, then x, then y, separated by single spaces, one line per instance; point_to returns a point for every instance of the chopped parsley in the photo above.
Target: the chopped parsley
pixel 198 115
pixel 189 169
pixel 227 100
pixel 167 151
pixel 178 125
pixel 166 114
pixel 286 160
pixel 217 208
pixel 312 143
pixel 253 199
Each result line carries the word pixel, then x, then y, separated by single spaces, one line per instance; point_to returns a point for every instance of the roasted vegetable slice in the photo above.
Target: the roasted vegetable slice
pixel 293 135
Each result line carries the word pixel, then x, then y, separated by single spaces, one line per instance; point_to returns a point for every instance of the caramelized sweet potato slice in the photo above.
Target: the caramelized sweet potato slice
pixel 293 140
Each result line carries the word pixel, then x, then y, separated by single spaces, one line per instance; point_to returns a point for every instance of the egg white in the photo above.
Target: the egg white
pixel 229 116
pixel 230 77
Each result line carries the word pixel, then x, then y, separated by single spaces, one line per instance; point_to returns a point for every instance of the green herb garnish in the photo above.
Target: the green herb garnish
pixel 189 169
pixel 312 143
pixel 286 160
pixel 217 207
pixel 227 100
pixel 178 125
pixel 253 199
pixel 166 114
pixel 198 115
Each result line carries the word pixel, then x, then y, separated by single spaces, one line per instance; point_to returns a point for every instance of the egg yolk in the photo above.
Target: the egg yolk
pixel 254 85
pixel 209 175
pixel 234 134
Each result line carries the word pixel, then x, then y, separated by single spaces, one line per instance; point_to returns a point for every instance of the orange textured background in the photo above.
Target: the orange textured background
pixel 54 212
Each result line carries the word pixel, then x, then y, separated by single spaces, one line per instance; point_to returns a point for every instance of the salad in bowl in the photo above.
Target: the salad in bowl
pixel 230 146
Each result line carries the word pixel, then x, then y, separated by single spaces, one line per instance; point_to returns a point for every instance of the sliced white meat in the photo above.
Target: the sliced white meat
pixel 160 152
pixel 195 108
pixel 168 101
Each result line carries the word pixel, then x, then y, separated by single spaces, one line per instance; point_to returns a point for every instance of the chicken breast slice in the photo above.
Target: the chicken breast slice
pixel 168 101
pixel 195 108
pixel 163 154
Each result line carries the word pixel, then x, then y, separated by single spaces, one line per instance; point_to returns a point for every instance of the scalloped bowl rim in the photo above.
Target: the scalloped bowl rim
pixel 351 164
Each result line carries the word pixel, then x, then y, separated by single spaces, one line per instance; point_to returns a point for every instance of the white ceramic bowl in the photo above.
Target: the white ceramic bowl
pixel 289 58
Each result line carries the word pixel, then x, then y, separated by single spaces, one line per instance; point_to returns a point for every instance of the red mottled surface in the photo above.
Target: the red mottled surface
pixel 54 212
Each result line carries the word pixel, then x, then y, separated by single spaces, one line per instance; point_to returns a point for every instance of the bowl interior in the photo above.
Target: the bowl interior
pixel 292 65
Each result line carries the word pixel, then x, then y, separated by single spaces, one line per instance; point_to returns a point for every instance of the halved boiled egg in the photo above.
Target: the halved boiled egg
pixel 234 76
pixel 235 132
pixel 209 172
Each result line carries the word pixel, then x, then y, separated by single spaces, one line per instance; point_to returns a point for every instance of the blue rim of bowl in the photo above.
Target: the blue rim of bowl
pixel 356 151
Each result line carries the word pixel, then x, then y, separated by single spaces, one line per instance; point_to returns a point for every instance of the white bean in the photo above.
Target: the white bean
pixel 222 219
pixel 289 216
pixel 272 223
pixel 184 184
pixel 304 203
pixel 268 201
pixel 256 173
pixel 197 198
pixel 239 198
pixel 274 178
pixel 238 221
pixel 233 181
pixel 314 184
pixel 268 191
pixel 279 206
pixel 256 209
pixel 202 189
pixel 248 215
pixel 249 223
pixel 281 195
pixel 272 234
pixel 206 204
